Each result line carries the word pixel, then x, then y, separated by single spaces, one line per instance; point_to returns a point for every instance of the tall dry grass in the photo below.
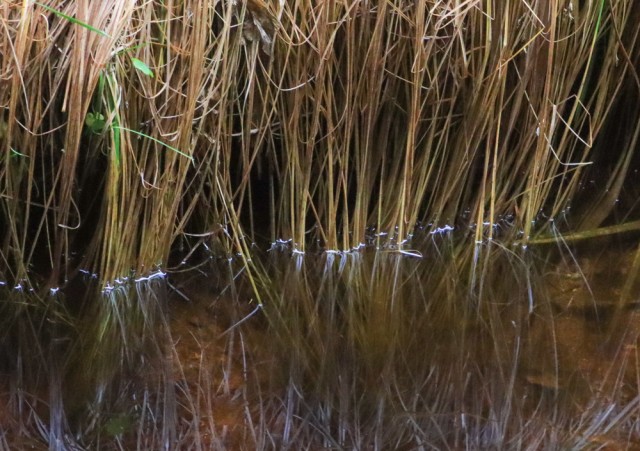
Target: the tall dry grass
pixel 391 114
pixel 303 121
pixel 135 134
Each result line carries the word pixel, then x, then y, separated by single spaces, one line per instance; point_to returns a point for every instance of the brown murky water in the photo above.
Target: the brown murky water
pixel 209 353
pixel 577 347
pixel 586 331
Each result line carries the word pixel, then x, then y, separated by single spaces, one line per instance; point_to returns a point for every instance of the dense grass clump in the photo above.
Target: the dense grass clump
pixel 140 139
pixel 131 129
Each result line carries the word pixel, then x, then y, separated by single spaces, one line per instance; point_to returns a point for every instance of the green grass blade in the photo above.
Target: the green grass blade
pixel 73 20
pixel 599 22
pixel 178 151
pixel 15 153
pixel 116 140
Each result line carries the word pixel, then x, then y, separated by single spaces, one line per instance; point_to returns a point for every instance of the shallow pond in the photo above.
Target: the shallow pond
pixel 448 348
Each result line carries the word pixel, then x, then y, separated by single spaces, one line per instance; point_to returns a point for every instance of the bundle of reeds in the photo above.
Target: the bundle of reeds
pixel 390 114
pixel 132 132
pixel 130 128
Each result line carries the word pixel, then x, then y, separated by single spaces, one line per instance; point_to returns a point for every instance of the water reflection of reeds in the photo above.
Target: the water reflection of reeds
pixel 384 351
pixel 361 350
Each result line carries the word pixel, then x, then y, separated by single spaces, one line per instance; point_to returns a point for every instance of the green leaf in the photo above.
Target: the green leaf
pixel 95 122
pixel 119 424
pixel 142 67
pixel 73 20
